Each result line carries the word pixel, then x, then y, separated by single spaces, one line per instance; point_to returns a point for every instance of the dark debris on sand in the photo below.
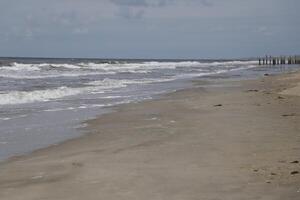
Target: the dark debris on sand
pixel 218 105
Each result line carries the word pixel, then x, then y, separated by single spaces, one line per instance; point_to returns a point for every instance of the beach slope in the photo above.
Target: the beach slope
pixel 232 140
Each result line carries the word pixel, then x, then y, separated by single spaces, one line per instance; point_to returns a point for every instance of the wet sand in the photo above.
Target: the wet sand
pixel 231 141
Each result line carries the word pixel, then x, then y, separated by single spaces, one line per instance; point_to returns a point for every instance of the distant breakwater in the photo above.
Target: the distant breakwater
pixel 279 60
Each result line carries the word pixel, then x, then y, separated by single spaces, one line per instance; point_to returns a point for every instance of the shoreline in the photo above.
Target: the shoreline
pixel 84 126
pixel 141 146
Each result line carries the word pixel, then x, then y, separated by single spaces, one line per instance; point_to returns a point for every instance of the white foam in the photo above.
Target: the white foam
pixel 5 118
pixel 111 83
pixel 143 67
pixel 59 109
pixel 161 65
pixel 123 66
pixel 47 70
pixel 220 71
pixel 3 143
pixel 21 67
pixel 33 71
pixel 98 105
pixel 115 83
pixel 50 75
pixel 94 87
pixel 230 63
pixel 113 97
pixel 69 66
pixel 36 67
pixel 21 97
pixel 156 80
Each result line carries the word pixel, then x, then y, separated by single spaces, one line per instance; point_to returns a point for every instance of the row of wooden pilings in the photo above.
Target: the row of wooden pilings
pixel 280 60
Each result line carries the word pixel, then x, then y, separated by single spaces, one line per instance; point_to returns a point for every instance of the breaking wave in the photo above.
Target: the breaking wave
pixel 21 97
pixel 93 87
pixel 87 76
pixel 47 70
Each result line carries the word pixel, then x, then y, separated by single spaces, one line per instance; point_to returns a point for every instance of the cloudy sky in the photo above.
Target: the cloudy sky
pixel 149 28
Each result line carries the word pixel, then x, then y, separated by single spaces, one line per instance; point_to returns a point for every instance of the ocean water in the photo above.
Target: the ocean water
pixel 45 101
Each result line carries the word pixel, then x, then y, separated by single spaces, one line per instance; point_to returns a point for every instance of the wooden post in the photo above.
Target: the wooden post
pixel 274 61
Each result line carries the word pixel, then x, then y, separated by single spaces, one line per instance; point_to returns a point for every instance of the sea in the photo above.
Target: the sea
pixel 46 101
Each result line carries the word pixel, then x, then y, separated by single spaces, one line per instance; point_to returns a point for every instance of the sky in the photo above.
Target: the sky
pixel 180 29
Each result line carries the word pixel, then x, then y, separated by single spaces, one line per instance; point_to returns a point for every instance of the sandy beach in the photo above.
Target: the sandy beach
pixel 222 140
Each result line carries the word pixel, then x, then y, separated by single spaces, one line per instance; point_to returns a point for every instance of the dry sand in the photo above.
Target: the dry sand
pixel 237 141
